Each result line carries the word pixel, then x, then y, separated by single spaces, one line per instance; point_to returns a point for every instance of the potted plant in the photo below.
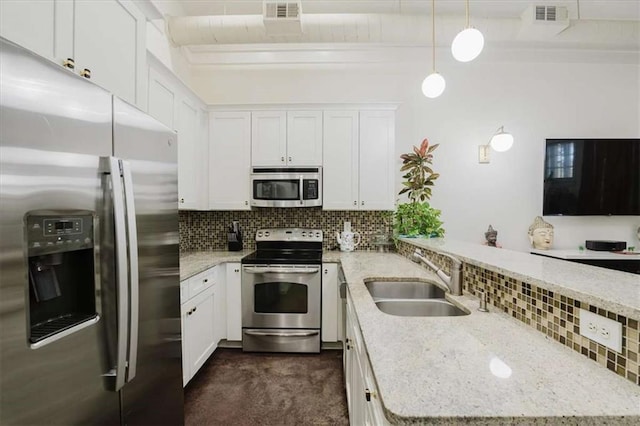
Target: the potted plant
pixel 417 217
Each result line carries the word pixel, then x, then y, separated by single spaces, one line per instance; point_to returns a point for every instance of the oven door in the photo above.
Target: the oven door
pixel 281 296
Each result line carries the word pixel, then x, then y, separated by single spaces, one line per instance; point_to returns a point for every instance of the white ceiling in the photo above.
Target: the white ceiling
pixel 214 32
pixel 589 9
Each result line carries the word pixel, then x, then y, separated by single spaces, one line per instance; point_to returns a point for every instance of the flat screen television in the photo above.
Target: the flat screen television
pixel 592 177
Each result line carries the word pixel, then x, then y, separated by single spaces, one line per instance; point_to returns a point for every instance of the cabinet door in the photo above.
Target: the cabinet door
pixel 188 154
pixel 30 23
pixel 304 138
pixel 269 138
pixel 377 155
pixel 340 161
pixel 109 39
pixel 234 304
pixel 330 298
pixel 199 329
pixel 162 98
pixel 229 160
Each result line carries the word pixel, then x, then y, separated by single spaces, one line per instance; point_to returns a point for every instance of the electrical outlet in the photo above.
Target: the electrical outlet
pixel 600 329
pixel 483 154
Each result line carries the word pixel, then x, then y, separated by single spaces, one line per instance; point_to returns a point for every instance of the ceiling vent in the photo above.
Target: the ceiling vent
pixel 281 17
pixel 543 22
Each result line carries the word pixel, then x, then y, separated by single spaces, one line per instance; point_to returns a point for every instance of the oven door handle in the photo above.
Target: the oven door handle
pixel 283 334
pixel 275 270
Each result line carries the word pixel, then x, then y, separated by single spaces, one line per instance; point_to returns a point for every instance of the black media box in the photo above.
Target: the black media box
pixel 605 245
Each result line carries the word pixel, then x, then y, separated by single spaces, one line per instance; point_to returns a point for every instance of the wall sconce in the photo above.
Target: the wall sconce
pixel 501 141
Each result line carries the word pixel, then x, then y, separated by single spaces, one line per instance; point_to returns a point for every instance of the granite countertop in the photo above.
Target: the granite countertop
pixel 615 291
pixel 438 370
pixel 192 263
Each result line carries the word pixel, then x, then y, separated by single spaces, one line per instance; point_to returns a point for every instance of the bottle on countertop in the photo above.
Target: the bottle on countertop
pixel 234 237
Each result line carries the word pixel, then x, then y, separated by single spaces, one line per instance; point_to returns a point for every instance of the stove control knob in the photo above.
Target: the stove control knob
pixel 266 234
pixel 259 234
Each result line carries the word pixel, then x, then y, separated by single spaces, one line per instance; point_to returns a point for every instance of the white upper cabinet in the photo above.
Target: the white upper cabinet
pixel 171 103
pixel 229 160
pixel 358 160
pixel 105 39
pixel 304 138
pixel 340 161
pixel 286 138
pixel 377 154
pixel 109 39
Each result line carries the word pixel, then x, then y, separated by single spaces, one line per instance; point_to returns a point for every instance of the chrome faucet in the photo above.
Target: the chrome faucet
pixel 453 282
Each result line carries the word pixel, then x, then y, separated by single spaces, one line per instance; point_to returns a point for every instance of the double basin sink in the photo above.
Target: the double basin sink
pixel 412 298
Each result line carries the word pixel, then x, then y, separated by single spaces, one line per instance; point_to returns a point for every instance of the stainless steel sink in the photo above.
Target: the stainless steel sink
pixel 404 290
pixel 412 298
pixel 420 308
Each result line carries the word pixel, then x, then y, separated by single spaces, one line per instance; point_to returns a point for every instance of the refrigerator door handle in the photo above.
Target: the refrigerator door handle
pixel 132 241
pixel 114 172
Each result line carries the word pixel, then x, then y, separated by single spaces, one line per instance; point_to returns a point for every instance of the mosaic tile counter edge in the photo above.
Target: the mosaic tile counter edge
pixel 548 311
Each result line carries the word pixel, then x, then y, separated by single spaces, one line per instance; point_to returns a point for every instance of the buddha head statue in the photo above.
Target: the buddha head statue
pixel 491 236
pixel 541 234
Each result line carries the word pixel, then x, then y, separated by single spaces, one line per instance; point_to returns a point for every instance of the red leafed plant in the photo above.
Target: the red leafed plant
pixel 419 177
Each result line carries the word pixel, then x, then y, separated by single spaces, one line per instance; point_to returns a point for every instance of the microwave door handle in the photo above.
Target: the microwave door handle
pixel 132 242
pixel 301 190
pixel 114 172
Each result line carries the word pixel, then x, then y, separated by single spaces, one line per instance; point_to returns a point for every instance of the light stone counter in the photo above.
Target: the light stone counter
pixel 446 370
pixel 615 291
pixel 192 263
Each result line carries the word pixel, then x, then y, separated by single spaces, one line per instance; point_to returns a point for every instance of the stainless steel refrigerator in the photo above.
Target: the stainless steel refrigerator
pixel 89 262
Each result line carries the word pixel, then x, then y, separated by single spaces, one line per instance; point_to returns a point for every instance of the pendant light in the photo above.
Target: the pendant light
pixel 434 84
pixel 468 43
pixel 501 141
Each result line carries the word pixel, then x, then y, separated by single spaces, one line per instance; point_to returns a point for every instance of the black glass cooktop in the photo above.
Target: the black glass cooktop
pixel 283 257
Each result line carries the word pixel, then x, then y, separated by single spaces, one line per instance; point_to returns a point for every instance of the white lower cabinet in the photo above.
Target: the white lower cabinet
pixel 363 401
pixel 202 313
pixel 234 304
pixel 330 302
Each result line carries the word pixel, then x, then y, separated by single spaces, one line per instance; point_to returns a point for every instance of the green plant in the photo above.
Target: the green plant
pixel 419 175
pixel 414 219
pixel 417 217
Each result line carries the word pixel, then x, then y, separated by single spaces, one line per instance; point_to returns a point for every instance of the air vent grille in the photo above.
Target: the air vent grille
pixel 546 13
pixel 282 10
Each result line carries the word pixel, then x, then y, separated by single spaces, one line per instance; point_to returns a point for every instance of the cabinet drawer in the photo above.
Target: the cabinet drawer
pixel 201 282
pixel 184 291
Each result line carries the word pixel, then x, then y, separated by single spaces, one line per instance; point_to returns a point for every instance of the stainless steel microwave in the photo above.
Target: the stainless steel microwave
pixel 286 186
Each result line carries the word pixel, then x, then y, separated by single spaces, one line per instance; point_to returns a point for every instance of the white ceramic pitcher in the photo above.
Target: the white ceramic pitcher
pixel 348 240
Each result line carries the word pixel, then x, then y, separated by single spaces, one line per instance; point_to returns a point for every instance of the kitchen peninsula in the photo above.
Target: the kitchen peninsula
pixel 488 368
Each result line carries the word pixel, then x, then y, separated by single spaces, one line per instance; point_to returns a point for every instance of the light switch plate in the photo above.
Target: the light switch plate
pixel 483 154
pixel 601 329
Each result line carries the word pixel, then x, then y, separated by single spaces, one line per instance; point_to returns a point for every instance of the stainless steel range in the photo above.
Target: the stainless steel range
pixel 282 291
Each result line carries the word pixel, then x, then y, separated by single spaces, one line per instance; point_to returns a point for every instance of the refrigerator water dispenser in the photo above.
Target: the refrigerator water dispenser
pixel 62 274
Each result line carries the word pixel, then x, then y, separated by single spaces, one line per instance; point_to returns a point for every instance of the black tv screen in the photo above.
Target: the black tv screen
pixel 592 177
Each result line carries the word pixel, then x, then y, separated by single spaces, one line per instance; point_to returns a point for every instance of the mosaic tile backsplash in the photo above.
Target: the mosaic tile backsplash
pixel 550 313
pixel 207 230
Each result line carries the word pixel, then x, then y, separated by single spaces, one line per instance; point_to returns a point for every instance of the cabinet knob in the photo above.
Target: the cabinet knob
pixel 236 270
pixel 367 395
pixel 348 346
pixel 362 203
pixel 206 280
pixel 246 203
pixel 86 73
pixel 282 159
pixel 69 63
pixel 195 309
pixel 355 203
pixel 290 159
pixel 326 271
pixel 182 200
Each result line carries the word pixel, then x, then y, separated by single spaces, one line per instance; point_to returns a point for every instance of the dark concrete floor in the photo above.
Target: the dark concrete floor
pixel 237 388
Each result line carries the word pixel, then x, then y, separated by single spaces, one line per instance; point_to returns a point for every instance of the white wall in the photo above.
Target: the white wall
pixel 533 101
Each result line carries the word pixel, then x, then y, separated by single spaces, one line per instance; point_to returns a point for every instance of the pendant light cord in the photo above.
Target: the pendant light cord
pixel 433 32
pixel 467 14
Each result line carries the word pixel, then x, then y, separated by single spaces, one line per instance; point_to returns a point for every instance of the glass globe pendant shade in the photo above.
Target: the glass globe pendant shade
pixel 433 85
pixel 502 141
pixel 467 45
